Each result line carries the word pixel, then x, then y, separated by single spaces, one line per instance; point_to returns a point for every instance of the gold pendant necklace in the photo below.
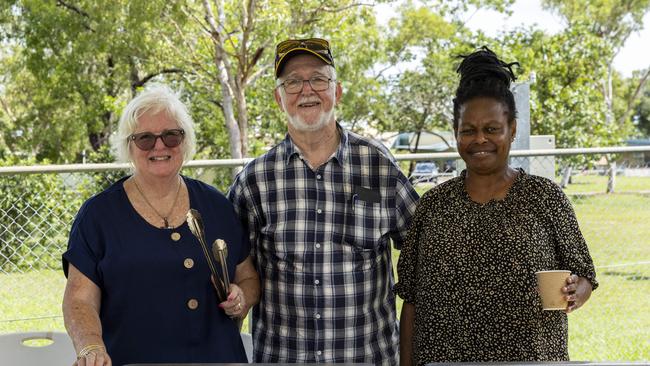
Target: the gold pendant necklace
pixel 165 218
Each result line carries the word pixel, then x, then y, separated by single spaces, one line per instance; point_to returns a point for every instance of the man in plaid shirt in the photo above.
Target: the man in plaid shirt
pixel 320 208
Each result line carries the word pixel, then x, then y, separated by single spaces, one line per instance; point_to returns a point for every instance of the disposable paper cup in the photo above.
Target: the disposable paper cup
pixel 550 285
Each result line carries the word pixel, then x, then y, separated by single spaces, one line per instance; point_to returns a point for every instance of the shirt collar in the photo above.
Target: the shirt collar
pixel 340 155
pixel 344 145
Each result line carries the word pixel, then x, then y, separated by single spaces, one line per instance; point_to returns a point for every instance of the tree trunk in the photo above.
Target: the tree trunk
pixel 609 102
pixel 242 117
pixel 414 151
pixel 611 182
pixel 223 74
pixel 566 176
pixel 234 136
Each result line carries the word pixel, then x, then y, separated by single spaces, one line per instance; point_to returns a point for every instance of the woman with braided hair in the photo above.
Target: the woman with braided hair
pixel 467 268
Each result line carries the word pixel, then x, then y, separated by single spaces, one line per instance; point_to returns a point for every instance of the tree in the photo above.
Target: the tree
pixel 428 37
pixel 611 21
pixel 69 68
pixel 565 97
pixel 74 63
pixel 234 49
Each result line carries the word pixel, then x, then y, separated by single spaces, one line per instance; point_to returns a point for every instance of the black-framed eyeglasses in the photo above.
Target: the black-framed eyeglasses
pixel 317 83
pixel 147 140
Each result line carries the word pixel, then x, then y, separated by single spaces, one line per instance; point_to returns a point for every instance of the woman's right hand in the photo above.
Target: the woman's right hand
pixel 97 357
pixel 576 291
pixel 81 304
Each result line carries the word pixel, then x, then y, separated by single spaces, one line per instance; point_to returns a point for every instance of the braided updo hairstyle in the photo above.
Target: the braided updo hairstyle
pixel 482 74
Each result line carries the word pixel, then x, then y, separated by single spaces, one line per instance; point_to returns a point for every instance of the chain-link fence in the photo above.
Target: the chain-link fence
pixel 37 207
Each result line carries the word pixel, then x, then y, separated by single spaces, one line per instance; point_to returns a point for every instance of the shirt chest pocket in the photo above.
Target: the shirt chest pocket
pixel 363 225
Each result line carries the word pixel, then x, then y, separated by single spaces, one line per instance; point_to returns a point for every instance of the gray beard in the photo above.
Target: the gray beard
pixel 299 124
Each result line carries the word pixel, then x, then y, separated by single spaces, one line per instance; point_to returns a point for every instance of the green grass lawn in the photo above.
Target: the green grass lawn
pixel 31 301
pixel 598 184
pixel 613 325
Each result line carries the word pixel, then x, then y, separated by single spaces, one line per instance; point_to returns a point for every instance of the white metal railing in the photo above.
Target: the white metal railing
pixel 33 169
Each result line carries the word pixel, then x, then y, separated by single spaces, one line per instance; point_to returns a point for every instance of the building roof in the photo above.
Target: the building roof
pixel 429 142
pixel 638 142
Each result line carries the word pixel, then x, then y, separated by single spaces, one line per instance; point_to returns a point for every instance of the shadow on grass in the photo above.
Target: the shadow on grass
pixel 630 276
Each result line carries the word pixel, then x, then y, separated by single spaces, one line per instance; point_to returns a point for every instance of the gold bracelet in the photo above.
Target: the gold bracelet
pixel 89 349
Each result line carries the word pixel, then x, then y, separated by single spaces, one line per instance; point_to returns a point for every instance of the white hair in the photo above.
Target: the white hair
pixel 154 99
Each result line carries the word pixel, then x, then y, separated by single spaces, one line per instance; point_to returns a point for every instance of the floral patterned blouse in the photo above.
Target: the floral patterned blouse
pixel 469 269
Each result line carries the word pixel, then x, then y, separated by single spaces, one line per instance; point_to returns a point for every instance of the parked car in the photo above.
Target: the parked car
pixel 424 172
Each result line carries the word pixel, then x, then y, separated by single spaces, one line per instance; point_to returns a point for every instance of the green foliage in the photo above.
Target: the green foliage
pixel 70 67
pixel 76 64
pixel 566 99
pixel 418 99
pixel 73 62
pixel 576 96
pixel 428 36
pixel 357 47
pixel 611 22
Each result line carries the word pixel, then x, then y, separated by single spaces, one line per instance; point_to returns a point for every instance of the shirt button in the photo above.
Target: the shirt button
pixel 317 316
pixel 188 263
pixel 319 352
pixel 192 304
pixel 316 282
pixel 318 176
pixel 176 236
pixel 317 245
pixel 319 211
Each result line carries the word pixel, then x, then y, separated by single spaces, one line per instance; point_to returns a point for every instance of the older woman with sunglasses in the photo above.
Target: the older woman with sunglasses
pixel 139 286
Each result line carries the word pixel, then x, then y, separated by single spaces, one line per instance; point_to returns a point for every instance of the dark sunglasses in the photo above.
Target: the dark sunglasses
pixel 147 140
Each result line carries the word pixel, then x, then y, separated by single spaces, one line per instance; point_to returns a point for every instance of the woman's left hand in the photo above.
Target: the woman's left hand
pixel 235 305
pixel 577 291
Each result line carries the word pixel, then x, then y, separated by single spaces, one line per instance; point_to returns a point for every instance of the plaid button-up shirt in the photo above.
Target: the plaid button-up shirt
pixel 320 240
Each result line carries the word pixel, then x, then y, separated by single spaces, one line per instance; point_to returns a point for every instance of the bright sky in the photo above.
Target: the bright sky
pixel 635 55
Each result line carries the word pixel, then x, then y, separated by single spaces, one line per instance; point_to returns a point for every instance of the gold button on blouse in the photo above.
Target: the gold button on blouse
pixel 176 236
pixel 193 304
pixel 188 263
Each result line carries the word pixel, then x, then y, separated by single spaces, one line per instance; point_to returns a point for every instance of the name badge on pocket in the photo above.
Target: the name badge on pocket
pixel 366 195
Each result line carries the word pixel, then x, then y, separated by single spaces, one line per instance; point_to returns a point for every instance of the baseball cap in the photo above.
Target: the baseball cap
pixel 315 46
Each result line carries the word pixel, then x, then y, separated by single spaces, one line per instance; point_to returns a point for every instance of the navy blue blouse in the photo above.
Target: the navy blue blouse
pixel 157 302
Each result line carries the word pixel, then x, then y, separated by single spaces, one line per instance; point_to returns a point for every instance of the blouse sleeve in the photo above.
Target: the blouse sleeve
pixel 406 199
pixel 407 265
pixel 84 246
pixel 570 246
pixel 242 202
pixel 240 233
